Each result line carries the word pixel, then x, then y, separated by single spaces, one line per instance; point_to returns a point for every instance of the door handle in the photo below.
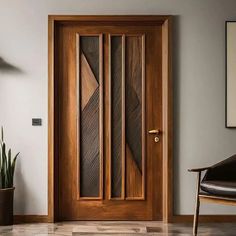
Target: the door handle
pixel 154 131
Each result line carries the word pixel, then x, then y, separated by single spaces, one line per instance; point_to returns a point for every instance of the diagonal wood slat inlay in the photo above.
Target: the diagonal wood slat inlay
pixel 88 81
pixel 90 48
pixel 89 185
pixel 133 176
pixel 89 117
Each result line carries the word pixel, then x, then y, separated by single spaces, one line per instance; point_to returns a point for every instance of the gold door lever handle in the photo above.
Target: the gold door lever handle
pixel 154 131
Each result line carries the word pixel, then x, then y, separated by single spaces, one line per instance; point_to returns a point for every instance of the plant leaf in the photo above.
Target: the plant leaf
pixel 7 165
pixel 13 167
pixel 2 136
pixel 9 172
pixel 4 165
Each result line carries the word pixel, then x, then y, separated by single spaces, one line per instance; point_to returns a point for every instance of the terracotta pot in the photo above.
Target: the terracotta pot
pixel 6 206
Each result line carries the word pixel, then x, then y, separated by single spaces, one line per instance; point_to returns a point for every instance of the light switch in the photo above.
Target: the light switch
pixel 36 121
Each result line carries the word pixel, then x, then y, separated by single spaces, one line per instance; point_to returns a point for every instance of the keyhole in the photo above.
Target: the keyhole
pixel 156 139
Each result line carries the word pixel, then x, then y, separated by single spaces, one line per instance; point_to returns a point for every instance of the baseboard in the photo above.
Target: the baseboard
pixel 204 218
pixel 20 219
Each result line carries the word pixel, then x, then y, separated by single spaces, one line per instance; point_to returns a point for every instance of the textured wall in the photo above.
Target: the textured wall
pixel 200 136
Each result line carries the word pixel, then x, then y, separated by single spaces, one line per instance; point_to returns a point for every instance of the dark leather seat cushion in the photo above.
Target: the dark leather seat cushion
pixel 220 188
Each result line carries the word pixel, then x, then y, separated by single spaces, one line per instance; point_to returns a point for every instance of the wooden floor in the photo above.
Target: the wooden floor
pixel 116 228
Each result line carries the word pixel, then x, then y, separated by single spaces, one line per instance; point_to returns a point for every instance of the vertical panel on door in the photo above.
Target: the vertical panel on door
pixel 90 116
pixel 116 180
pixel 135 116
pixel 127 116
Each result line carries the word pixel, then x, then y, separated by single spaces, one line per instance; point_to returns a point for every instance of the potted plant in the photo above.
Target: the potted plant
pixel 7 169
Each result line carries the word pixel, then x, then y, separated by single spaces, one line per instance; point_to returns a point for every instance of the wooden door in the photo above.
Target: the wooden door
pixel 109 98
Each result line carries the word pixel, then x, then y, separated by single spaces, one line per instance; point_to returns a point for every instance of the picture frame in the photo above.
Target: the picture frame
pixel 230 74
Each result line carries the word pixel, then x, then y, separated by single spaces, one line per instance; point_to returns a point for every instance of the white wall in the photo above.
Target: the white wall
pixel 200 136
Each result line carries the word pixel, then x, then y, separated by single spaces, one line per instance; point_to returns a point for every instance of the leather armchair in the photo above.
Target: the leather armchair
pixel 220 179
pixel 218 184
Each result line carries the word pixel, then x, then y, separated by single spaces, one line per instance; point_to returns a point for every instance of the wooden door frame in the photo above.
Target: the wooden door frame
pixel 167 136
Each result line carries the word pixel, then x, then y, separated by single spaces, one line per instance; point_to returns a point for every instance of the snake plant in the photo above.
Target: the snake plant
pixel 7 165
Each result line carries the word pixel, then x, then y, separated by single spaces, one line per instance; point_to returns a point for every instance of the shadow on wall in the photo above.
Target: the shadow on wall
pixel 7 67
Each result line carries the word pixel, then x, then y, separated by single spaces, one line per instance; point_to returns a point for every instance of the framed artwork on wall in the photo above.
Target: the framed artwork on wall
pixel 230 54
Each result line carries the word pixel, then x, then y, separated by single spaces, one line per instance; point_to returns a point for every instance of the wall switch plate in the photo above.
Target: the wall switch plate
pixel 36 121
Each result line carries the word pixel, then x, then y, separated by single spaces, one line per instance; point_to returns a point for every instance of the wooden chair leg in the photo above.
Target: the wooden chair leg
pixel 197 207
pixel 196 216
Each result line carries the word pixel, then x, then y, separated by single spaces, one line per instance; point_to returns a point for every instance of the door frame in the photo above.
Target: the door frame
pixel 167 133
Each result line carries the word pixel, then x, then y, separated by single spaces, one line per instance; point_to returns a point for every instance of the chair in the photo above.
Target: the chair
pixel 218 185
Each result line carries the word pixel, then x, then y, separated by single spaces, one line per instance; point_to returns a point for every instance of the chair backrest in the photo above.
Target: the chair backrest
pixel 224 170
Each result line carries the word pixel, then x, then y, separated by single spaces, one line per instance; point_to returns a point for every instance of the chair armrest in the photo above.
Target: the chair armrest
pixel 199 169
